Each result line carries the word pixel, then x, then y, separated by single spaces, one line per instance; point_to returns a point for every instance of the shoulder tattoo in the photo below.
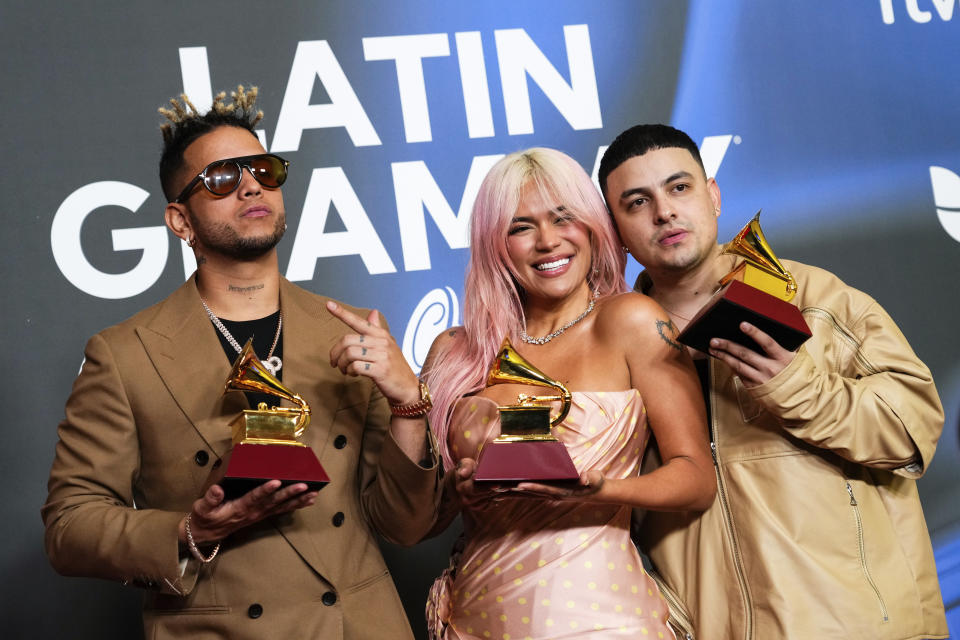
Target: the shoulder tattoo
pixel 667 331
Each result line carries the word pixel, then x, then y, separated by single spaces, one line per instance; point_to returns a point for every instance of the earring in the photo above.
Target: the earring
pixel 190 241
pixel 625 248
pixel 284 226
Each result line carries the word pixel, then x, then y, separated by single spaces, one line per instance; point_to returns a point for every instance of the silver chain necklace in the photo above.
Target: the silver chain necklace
pixel 272 363
pixel 550 336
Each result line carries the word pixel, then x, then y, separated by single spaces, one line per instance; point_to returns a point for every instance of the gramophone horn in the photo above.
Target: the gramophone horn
pixel 751 244
pixel 250 374
pixel 509 367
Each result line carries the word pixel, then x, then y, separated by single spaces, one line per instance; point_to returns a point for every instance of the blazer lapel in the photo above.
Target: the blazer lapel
pixel 309 331
pixel 183 346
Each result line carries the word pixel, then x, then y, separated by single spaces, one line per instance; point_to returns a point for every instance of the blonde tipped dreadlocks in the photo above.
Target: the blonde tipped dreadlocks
pixel 243 101
pixel 186 124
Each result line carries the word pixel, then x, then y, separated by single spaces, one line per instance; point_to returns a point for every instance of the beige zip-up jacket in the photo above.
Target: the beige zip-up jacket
pixel 817 529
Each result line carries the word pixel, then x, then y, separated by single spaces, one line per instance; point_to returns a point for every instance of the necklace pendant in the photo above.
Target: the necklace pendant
pixel 273 365
pixel 550 336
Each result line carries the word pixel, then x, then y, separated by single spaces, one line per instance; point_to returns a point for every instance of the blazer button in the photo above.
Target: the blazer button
pixel 338 518
pixel 255 611
pixel 340 442
pixel 329 598
pixel 201 458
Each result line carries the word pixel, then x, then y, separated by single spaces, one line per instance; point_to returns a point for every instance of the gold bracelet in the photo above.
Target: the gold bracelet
pixel 417 409
pixel 193 545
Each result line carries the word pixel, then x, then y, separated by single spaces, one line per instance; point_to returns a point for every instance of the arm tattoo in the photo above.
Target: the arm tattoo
pixel 668 324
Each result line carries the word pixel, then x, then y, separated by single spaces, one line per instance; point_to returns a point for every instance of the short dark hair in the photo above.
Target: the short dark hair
pixel 186 124
pixel 639 139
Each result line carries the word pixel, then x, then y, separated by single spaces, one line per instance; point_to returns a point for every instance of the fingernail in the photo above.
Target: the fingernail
pixel 714 342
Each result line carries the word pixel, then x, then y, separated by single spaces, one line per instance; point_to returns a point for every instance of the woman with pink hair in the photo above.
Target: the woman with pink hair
pixel 549 561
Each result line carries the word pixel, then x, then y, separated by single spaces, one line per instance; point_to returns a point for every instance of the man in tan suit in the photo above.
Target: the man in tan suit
pixel 146 425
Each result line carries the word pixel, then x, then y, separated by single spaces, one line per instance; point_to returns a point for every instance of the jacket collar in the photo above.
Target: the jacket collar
pixel 184 347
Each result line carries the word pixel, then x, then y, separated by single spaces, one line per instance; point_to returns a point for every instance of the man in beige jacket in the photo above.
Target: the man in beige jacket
pixel 147 423
pixel 817 529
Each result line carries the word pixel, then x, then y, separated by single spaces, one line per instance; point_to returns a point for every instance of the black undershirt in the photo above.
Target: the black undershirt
pixel 262 330
pixel 703 372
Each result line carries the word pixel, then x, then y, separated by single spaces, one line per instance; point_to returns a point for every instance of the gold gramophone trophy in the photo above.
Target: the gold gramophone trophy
pixel 758 290
pixel 526 449
pixel 265 439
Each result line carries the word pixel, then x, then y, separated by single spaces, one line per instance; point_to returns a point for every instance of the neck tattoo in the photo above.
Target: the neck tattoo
pixel 550 336
pixel 272 363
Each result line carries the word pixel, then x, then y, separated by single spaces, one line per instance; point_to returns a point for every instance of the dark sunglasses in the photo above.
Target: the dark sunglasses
pixel 222 177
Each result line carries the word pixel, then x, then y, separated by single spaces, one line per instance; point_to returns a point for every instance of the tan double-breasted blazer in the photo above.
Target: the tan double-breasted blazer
pixel 146 423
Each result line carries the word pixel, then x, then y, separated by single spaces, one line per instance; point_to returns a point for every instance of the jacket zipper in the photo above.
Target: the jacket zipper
pixel 678 619
pixel 863 554
pixel 845 335
pixel 728 518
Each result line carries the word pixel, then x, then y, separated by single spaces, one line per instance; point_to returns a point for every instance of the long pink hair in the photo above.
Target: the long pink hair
pixel 493 306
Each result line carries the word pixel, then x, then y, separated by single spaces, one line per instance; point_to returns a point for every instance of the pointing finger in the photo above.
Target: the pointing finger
pixel 352 320
pixel 346 316
pixel 374 318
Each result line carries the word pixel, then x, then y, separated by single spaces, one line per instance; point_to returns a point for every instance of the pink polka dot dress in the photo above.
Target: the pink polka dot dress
pixel 538 569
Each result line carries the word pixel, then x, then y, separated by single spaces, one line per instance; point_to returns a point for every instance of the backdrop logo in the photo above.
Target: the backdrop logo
pixel 946 195
pixel 438 311
pixel 68 254
pixel 520 63
pixel 916 10
pixel 417 195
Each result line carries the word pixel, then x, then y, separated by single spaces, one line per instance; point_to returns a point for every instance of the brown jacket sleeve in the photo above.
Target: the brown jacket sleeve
pixel 93 527
pixel 399 496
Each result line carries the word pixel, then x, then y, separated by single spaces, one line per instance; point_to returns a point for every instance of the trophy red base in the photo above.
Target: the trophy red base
pixel 248 465
pixel 543 461
pixel 739 302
